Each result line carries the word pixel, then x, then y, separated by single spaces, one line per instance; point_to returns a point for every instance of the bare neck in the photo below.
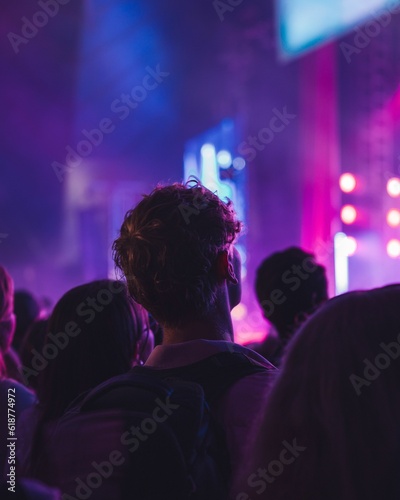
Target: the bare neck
pixel 211 327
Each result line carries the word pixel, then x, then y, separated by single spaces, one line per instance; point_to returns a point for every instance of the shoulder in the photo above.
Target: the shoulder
pixel 248 395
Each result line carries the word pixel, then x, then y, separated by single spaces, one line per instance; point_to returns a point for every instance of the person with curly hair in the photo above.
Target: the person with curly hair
pixel 176 250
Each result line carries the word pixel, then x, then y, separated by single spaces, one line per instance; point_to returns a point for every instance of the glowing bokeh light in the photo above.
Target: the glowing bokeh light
pixel 350 244
pixel 393 248
pixel 347 183
pixel 239 312
pixel 393 217
pixel 207 150
pixel 239 163
pixel 224 158
pixel 393 187
pixel 348 214
pixel 341 263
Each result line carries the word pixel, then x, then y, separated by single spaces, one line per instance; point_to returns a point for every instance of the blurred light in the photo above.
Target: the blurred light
pixel 348 214
pixel 242 252
pixel 207 150
pixel 224 158
pixel 239 163
pixel 393 187
pixel 393 217
pixel 340 243
pixel 393 248
pixel 347 182
pixel 224 190
pixel 350 245
pixel 209 171
pixel 239 312
pixel 190 165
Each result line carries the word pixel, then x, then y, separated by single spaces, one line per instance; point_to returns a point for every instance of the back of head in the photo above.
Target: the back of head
pixel 290 285
pixel 168 247
pixel 93 335
pixel 27 310
pixel 337 404
pixel 32 343
pixel 7 319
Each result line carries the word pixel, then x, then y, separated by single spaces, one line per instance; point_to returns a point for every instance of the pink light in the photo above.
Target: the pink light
pixel 348 214
pixel 239 312
pixel 393 187
pixel 393 217
pixel 347 183
pixel 393 248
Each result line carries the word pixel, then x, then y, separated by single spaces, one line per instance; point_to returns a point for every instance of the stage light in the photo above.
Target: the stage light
pixel 239 163
pixel 347 183
pixel 341 263
pixel 393 248
pixel 224 159
pixel 393 187
pixel 348 214
pixel 393 217
pixel 207 150
pixel 350 245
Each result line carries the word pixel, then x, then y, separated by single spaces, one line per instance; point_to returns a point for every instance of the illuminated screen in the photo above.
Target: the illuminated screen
pixel 304 24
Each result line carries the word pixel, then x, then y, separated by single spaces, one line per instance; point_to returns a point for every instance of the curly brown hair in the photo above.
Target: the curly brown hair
pixel 168 246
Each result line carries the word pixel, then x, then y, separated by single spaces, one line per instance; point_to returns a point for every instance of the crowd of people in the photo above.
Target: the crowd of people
pixel 135 388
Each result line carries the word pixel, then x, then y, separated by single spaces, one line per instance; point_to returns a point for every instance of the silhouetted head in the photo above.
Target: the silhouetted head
pixel 337 396
pixel 290 286
pixel 7 317
pixel 27 310
pixel 173 248
pixel 95 332
pixel 33 342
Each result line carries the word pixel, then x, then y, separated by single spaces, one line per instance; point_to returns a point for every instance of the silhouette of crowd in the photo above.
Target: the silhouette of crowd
pixel 134 388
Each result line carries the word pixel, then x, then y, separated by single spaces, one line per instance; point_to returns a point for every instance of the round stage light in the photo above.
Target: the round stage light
pixel 350 244
pixel 393 187
pixel 347 183
pixel 224 158
pixel 393 248
pixel 393 217
pixel 239 163
pixel 348 214
pixel 207 150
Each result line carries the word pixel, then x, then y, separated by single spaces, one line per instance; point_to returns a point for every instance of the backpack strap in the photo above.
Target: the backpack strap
pixel 215 374
pixel 117 391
